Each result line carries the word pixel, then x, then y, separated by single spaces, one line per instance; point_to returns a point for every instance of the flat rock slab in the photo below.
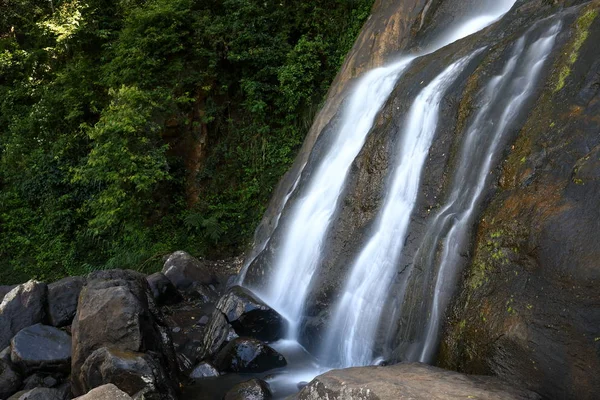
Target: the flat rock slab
pixel 412 381
pixel 105 392
pixel 41 347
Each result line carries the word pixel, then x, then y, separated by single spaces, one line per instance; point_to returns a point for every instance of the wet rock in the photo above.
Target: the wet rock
pixel 62 300
pixel 204 370
pixel 39 380
pixel 41 348
pixel 254 389
pixel 22 307
pixel 203 293
pixel 251 317
pixel 10 380
pixel 183 270
pixel 42 394
pixel 105 392
pixel 163 289
pixel 412 381
pixel 116 310
pixel 248 355
pixel 218 333
pixel 135 373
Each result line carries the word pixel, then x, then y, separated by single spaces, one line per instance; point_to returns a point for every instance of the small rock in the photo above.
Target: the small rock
pixel 62 300
pixel 254 389
pixel 163 290
pixel 248 355
pixel 203 320
pixel 182 269
pixel 10 381
pixel 41 348
pixel 105 392
pixel 136 374
pixel 5 354
pixel 250 316
pixel 204 370
pixel 39 380
pixel 23 306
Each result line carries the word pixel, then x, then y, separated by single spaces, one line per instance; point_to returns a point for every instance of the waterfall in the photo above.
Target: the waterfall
pixel 299 255
pixel 507 92
pixel 356 317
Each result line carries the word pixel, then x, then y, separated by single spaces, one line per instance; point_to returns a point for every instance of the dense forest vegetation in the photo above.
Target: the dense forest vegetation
pixel 132 128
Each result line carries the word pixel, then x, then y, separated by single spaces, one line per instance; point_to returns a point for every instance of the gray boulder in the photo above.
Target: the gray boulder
pixel 105 392
pixel 42 394
pixel 163 290
pixel 218 334
pixel 116 310
pixel 248 355
pixel 4 289
pixel 63 297
pixel 412 381
pixel 183 270
pixel 23 306
pixel 254 389
pixel 135 373
pixel 251 317
pixel 41 348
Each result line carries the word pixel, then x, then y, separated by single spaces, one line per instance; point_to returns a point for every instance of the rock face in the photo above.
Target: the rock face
pixel 115 310
pixel 218 333
pixel 411 381
pixel 23 306
pixel 183 270
pixel 41 348
pixel 105 392
pixel 529 308
pixel 62 300
pixel 254 389
pixel 10 381
pixel 137 374
pixel 248 355
pixel 250 316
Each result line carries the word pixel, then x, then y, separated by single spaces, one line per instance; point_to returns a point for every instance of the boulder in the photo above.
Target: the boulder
pixel 254 389
pixel 4 289
pixel 62 300
pixel 41 348
pixel 23 306
pixel 218 333
pixel 163 289
pixel 42 394
pixel 10 381
pixel 251 317
pixel 412 381
pixel 202 293
pixel 248 355
pixel 204 370
pixel 136 374
pixel 116 310
pixel 105 392
pixel 183 270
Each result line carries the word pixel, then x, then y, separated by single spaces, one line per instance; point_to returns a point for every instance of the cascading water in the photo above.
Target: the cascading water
pixel 507 92
pixel 299 255
pixel 357 315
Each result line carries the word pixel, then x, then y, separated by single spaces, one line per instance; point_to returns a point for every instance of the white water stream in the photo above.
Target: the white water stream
pixel 352 330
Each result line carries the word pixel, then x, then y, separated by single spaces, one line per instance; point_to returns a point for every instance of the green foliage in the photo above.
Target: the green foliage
pixel 103 102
